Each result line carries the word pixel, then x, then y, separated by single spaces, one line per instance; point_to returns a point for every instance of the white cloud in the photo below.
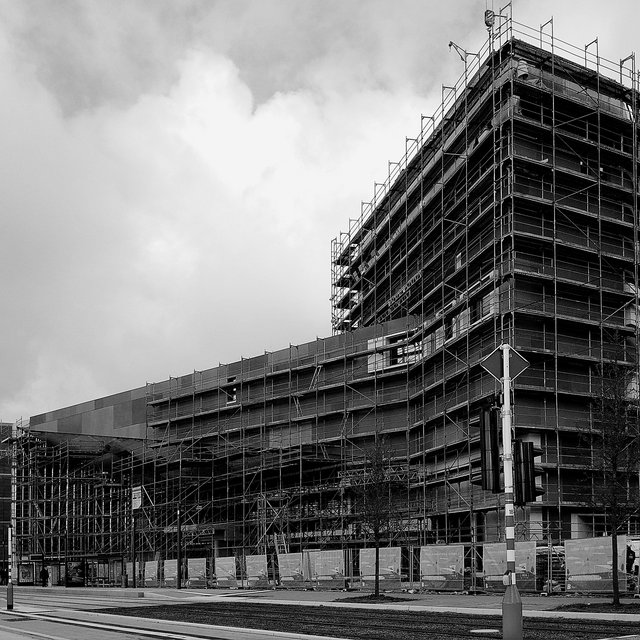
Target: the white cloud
pixel 173 174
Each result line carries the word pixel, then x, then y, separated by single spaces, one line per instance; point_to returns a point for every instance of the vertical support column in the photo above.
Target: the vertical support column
pixel 134 580
pixel 508 465
pixel 10 567
pixel 179 551
pixel 511 604
pixel 12 524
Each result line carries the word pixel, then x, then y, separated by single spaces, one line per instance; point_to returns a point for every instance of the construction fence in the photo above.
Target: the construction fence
pixel 577 566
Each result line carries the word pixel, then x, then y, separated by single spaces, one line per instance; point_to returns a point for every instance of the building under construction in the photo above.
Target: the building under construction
pixel 513 218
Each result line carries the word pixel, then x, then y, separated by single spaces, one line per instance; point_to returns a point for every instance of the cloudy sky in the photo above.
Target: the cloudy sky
pixel 173 171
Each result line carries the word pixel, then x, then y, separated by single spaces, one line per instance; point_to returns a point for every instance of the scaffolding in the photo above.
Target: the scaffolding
pixel 243 459
pixel 69 507
pixel 512 217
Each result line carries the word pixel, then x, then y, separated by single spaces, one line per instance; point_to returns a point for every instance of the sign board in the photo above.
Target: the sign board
pixel 493 363
pixel 136 498
pixel 183 527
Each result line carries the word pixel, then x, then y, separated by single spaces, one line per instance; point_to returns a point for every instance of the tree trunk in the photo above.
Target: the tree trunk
pixel 614 565
pixel 377 569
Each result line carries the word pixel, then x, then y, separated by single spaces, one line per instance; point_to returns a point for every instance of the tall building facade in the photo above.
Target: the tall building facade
pixel 512 219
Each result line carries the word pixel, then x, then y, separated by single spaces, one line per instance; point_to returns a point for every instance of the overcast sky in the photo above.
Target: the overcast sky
pixel 173 171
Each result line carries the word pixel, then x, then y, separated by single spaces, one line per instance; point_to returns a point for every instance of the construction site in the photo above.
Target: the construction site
pixel 512 218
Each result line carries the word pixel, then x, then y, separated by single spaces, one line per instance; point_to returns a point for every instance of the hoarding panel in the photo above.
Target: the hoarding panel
pixel 327 568
pixel 151 573
pixel 257 574
pixel 390 564
pixel 170 572
pixel 494 561
pixel 292 569
pixel 588 563
pixel 226 572
pixel 442 567
pixel 197 572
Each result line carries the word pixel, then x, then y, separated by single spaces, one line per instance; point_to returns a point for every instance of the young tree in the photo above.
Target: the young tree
pixel 375 504
pixel 615 441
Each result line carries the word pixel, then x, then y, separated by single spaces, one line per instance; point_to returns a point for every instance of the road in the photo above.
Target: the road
pixel 71 615
pixel 21 626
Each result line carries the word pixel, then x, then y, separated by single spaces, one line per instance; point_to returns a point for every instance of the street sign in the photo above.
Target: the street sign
pixel 517 364
pixel 493 363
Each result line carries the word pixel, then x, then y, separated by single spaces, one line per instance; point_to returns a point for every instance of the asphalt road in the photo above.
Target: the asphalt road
pixel 56 614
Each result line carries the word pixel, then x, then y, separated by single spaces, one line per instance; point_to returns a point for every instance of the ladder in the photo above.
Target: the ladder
pixel 280 543
pixel 316 375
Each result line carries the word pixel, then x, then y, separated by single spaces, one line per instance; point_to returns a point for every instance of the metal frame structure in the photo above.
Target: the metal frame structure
pixel 512 218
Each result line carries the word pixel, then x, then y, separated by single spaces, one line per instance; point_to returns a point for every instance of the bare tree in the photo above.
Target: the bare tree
pixel 615 440
pixel 375 502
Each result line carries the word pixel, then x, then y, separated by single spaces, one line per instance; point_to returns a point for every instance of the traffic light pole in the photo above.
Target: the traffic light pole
pixel 511 603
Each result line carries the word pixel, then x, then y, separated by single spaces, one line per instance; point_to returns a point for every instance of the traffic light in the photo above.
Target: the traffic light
pixel 490 447
pixel 524 473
